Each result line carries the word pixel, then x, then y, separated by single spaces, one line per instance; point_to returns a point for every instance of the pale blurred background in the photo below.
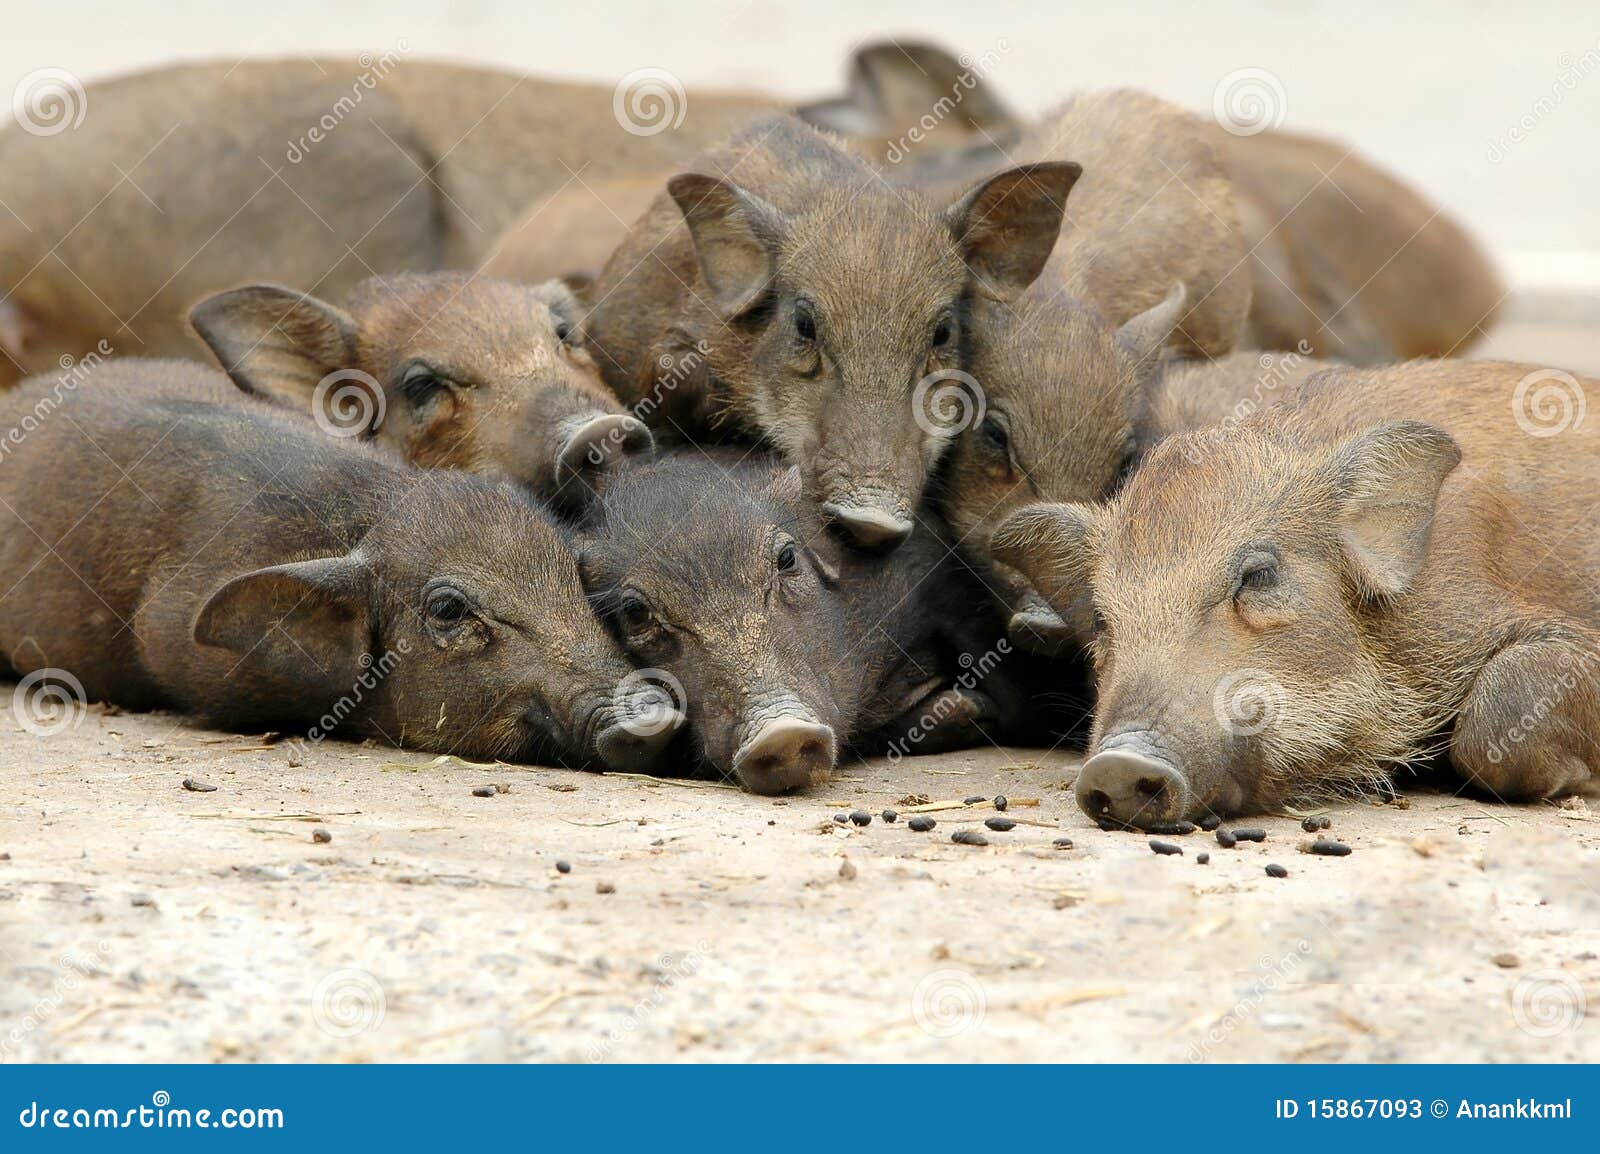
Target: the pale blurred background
pixel 1491 108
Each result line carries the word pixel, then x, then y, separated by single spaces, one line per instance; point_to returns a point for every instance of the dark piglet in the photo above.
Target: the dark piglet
pixel 448 370
pixel 787 648
pixel 783 290
pixel 171 545
pixel 1296 604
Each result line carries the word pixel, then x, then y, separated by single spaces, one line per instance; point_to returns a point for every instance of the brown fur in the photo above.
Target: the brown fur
pixel 424 170
pixel 1350 259
pixel 800 231
pixel 1412 600
pixel 171 544
pixel 448 370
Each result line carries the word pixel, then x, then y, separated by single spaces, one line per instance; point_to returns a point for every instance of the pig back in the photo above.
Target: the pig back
pixel 132 494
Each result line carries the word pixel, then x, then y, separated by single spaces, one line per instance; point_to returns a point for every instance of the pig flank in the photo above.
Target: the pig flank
pixel 1302 602
pixel 474 373
pixel 242 566
pixel 821 296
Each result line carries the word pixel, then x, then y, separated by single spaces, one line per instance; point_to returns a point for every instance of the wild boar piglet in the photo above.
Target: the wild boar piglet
pixel 782 647
pixel 166 543
pixel 1301 602
pixel 785 291
pixel 449 370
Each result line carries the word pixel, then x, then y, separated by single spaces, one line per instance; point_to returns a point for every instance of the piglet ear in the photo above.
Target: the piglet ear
pixel 274 341
pixel 309 622
pixel 1148 333
pixel 1008 225
pixel 736 236
pixel 594 446
pixel 1050 545
pixel 1387 482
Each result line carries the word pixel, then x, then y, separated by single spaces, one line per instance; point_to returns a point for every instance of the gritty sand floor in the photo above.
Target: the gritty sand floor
pixel 142 921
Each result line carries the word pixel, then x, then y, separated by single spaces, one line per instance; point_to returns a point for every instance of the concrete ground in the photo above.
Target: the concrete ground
pixel 141 920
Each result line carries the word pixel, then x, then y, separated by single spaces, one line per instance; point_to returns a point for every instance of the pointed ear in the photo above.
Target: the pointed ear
pixel 309 622
pixel 19 330
pixel 736 236
pixel 1147 334
pixel 1008 225
pixel 1052 546
pixel 274 341
pixel 902 80
pixel 1388 480
pixel 594 446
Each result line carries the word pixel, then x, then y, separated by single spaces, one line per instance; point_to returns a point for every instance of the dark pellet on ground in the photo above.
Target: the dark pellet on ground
pixel 1226 839
pixel 194 786
pixel 968 837
pixel 842 818
pixel 321 836
pixel 1172 828
pixel 143 901
pixel 1000 802
pixel 1210 822
pixel 1164 847
pixel 604 888
pixel 484 791
pixel 1062 843
pixel 922 824
pixel 890 816
pixel 563 867
pixel 861 817
pixel 1202 858
pixel 974 799
pixel 1000 824
pixel 1250 834
pixel 1274 870
pixel 1313 824
pixel 1326 848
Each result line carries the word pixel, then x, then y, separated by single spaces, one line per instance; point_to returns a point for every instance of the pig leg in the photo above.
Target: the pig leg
pixel 1525 730
pixel 952 718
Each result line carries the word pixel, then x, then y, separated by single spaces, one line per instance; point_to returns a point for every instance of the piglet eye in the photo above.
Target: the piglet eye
pixel 447 606
pixel 788 558
pixel 634 612
pixel 994 433
pixel 804 323
pixel 563 331
pixel 941 334
pixel 1259 575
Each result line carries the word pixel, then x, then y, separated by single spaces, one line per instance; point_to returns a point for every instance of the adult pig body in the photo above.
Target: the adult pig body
pixel 324 171
pixel 1301 602
pixel 172 544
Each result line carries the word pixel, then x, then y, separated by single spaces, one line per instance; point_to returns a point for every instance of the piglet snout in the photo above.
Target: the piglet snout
pixel 785 753
pixel 1129 782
